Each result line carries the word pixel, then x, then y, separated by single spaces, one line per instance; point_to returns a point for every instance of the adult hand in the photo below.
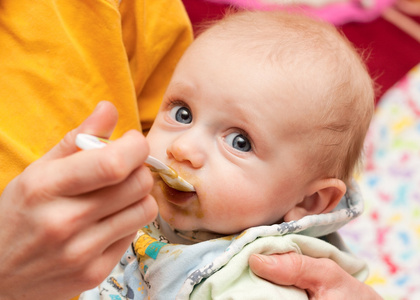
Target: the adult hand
pixel 68 218
pixel 322 278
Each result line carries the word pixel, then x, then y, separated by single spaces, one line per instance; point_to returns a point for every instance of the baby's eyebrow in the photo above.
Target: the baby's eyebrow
pixel 183 87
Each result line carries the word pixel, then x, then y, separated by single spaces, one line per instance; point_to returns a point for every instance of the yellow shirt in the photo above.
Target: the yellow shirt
pixel 58 59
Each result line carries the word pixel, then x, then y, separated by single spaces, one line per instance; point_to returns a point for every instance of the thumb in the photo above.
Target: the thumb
pixel 322 278
pixel 302 271
pixel 281 269
pixel 101 123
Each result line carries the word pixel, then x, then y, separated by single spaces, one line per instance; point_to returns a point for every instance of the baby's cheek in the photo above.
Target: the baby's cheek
pixel 225 218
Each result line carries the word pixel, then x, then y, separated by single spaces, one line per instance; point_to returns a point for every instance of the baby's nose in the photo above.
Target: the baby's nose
pixel 187 151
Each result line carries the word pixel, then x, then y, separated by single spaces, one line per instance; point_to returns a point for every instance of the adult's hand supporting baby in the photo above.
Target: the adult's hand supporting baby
pixel 68 218
pixel 322 278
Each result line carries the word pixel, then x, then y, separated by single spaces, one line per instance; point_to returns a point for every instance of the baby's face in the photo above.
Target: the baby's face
pixel 229 127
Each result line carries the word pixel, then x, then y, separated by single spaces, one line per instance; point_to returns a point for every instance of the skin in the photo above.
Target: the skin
pixel 65 207
pixel 213 130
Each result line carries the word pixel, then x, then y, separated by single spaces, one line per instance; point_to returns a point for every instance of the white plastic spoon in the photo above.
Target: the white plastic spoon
pixel 87 141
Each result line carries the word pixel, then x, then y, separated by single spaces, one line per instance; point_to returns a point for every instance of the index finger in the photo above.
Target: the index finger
pixel 90 170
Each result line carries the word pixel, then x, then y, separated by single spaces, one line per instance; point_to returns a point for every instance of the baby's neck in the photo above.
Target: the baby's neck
pixel 176 236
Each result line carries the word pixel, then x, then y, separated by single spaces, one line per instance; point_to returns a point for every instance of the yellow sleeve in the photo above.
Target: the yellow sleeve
pixel 58 59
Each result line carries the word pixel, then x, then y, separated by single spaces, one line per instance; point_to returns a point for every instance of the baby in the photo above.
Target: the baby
pixel 265 115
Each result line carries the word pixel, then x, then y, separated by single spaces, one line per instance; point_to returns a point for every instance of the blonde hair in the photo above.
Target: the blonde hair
pixel 326 71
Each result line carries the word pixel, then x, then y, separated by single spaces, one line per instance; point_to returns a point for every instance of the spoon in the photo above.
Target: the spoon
pixel 169 175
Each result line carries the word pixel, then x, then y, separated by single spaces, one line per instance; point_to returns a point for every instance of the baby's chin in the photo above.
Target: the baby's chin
pixel 179 222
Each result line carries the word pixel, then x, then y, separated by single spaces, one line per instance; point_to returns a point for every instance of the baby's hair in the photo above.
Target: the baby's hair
pixel 324 70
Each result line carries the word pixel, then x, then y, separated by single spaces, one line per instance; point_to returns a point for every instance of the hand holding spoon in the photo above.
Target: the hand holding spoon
pixel 169 175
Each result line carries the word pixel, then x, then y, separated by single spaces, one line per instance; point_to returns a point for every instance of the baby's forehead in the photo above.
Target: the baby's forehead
pixel 305 65
pixel 292 86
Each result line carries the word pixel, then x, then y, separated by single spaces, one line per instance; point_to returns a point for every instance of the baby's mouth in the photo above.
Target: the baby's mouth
pixel 175 196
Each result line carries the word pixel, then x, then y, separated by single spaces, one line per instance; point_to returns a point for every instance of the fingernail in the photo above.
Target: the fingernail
pixel 98 106
pixel 267 259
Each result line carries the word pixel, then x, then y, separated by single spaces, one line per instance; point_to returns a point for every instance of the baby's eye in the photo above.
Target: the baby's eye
pixel 181 114
pixel 238 141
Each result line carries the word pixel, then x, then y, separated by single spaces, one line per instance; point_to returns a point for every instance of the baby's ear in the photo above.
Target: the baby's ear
pixel 323 195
